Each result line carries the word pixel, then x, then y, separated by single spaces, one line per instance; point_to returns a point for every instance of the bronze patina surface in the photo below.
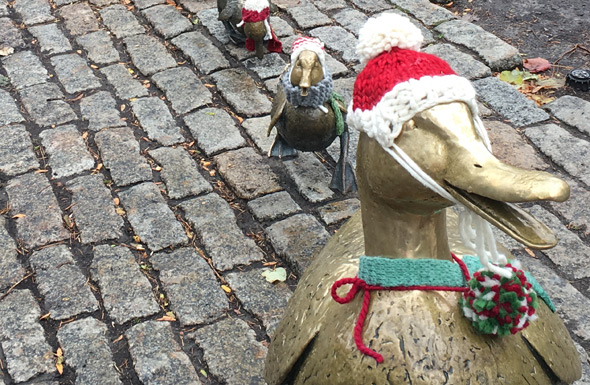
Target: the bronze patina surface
pixel 423 336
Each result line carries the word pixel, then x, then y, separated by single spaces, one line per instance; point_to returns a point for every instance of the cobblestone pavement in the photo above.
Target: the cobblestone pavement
pixel 139 209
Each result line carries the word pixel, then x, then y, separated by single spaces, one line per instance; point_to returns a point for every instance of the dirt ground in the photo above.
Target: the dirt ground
pixel 538 28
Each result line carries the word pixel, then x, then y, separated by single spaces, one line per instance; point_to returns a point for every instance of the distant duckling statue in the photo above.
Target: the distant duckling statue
pixel 308 114
pixel 248 22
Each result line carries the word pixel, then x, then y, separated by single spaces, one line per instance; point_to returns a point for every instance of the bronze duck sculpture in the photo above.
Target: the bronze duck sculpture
pixel 307 113
pixel 422 149
pixel 247 22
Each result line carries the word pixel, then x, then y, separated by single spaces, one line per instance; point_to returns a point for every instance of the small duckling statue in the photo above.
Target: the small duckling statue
pixel 425 315
pixel 307 113
pixel 248 22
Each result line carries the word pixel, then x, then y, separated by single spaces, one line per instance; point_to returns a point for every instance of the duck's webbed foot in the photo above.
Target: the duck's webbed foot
pixel 343 179
pixel 281 149
pixel 235 36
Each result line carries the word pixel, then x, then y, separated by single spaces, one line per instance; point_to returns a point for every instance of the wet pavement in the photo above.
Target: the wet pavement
pixel 139 208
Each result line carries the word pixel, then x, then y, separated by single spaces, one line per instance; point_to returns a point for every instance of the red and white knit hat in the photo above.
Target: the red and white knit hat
pixel 308 44
pixel 399 82
pixel 254 11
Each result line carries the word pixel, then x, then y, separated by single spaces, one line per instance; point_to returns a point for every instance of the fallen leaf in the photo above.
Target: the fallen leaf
pixel 116 201
pixel 512 77
pixel 120 211
pixel 19 216
pixel 203 372
pixel 45 316
pixel 118 338
pixel 166 318
pixel 122 107
pixel 530 252
pixel 59 361
pixel 5 51
pixel 226 288
pixel 137 246
pixel 130 71
pixel 536 65
pixel 277 275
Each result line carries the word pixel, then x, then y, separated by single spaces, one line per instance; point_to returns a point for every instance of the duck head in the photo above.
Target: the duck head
pixel 423 148
pixel 307 71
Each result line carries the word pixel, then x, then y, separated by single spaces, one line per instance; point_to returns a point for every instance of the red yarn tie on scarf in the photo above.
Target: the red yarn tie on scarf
pixel 359 284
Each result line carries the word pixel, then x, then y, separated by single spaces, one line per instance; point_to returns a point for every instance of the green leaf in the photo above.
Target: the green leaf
pixel 513 77
pixel 203 372
pixel 279 274
pixel 4 81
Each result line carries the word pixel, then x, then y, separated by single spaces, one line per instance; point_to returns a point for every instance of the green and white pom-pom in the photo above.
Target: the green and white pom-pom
pixel 498 305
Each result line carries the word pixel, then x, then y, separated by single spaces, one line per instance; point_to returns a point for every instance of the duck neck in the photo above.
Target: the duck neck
pixel 391 233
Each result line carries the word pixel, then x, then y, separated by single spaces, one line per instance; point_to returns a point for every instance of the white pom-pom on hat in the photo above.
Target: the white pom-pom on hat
pixel 384 32
pixel 256 5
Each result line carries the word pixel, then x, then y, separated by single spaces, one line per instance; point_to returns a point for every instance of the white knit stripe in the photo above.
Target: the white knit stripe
pixel 382 33
pixel 256 5
pixel 309 47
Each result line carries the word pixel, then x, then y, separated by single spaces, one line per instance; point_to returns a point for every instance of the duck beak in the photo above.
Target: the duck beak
pixel 486 185
pixel 305 81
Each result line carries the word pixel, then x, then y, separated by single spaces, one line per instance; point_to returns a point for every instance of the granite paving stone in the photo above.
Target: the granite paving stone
pixel 423 10
pixel 573 111
pixel 31 195
pixel 100 111
pixel 10 35
pixel 61 283
pixel 280 27
pixel 3 9
pixel 512 148
pixel 371 5
pixel 567 299
pixel 241 53
pixel 44 104
pixel 201 52
pixel 297 239
pixel 102 3
pixel 335 212
pixel 86 350
pixel 157 357
pixel 585 380
pixel 183 89
pixel 505 99
pixel 8 110
pixel 167 20
pixel 232 351
pixel 257 129
pixel 351 19
pixel 273 206
pixel 570 254
pixel 142 4
pixel 271 65
pixel 126 87
pixel 67 151
pixel 247 173
pixel 344 87
pixel 241 92
pixel 99 47
pixel 148 54
pixel 328 5
pixel 63 2
pixel 224 241
pixel 120 21
pixel 74 73
pixel 214 130
pixel 496 53
pixel 308 16
pixel 24 69
pixel 310 176
pixel 51 38
pixel 194 293
pixel 33 11
pixel 180 173
pixel 337 39
pixel 208 17
pixel 125 291
pixel 463 64
pixel 93 209
pixel 119 151
pixel 16 150
pixel 11 271
pixel 575 210
pixel 264 299
pixel 155 118
pixel 151 218
pixel 195 6
pixel 563 148
pixel 79 18
pixel 22 339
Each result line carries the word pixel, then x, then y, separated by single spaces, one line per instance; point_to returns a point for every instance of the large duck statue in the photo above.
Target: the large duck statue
pixel 394 298
pixel 248 22
pixel 308 114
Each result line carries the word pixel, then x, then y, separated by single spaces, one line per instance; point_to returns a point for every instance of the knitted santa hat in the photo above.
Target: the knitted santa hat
pixel 308 44
pixel 255 10
pixel 399 82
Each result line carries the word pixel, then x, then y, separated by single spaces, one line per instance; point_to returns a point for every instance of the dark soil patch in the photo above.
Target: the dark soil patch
pixel 537 28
